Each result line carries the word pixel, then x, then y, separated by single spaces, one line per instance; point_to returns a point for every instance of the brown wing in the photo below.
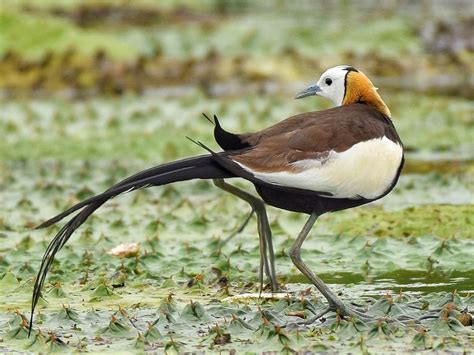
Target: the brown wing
pixel 311 135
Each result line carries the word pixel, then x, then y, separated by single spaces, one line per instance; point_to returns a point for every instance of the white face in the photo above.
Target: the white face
pixel 331 84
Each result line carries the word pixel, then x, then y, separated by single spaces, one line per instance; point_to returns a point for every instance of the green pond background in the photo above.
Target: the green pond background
pixel 93 91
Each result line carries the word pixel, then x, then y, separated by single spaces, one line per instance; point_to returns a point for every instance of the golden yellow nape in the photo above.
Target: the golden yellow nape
pixel 360 89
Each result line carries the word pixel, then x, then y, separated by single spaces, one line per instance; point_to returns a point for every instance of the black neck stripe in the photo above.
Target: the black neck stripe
pixel 348 69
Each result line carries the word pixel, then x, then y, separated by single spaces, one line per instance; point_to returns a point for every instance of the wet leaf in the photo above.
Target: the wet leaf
pixel 422 340
pixel 9 281
pixel 116 327
pixel 194 311
pixel 152 334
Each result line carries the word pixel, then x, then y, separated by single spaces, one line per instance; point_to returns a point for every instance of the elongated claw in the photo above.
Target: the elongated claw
pixel 307 322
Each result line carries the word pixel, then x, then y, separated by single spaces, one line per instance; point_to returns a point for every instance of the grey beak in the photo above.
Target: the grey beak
pixel 311 91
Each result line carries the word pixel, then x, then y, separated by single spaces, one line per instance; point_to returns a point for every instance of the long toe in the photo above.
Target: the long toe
pixel 309 321
pixel 340 309
pixel 351 311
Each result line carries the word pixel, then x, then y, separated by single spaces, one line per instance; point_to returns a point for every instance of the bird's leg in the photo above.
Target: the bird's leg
pixel 335 304
pixel 267 260
pixel 254 202
pixel 240 229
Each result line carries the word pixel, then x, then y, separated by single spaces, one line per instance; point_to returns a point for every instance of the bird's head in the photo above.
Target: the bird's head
pixel 345 85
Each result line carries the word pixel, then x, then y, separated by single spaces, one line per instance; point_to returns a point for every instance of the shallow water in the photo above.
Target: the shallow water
pixel 408 281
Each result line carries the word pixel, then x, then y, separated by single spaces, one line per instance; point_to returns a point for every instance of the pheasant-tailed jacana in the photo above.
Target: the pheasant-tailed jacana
pixel 313 163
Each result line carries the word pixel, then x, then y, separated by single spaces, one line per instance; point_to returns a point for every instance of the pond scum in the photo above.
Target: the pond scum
pixel 76 118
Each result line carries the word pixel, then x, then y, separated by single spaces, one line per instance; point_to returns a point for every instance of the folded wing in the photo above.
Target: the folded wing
pixel 351 157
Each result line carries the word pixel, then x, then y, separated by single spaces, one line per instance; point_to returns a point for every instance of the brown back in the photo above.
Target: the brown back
pixel 313 135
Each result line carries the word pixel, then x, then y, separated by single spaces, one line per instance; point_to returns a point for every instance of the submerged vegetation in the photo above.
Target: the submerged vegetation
pixel 86 103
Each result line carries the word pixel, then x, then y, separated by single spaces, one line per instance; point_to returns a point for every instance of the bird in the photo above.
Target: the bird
pixel 312 163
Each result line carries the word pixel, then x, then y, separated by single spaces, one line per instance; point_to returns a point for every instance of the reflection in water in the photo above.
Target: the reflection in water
pixel 419 282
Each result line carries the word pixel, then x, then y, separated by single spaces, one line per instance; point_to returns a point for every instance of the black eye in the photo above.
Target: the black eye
pixel 328 81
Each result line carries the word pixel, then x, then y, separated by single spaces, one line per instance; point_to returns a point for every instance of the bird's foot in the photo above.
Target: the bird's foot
pixel 308 321
pixel 273 287
pixel 342 311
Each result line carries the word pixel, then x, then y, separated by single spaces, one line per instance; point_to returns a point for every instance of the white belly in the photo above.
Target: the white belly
pixel 366 170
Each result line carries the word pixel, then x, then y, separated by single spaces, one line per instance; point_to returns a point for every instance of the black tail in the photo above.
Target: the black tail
pixel 202 167
pixel 226 140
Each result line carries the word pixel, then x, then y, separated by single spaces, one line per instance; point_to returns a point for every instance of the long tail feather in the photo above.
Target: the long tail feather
pixel 160 169
pixel 208 118
pixel 202 167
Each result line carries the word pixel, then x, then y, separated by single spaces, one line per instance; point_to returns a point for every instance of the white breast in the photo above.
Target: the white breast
pixel 367 170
